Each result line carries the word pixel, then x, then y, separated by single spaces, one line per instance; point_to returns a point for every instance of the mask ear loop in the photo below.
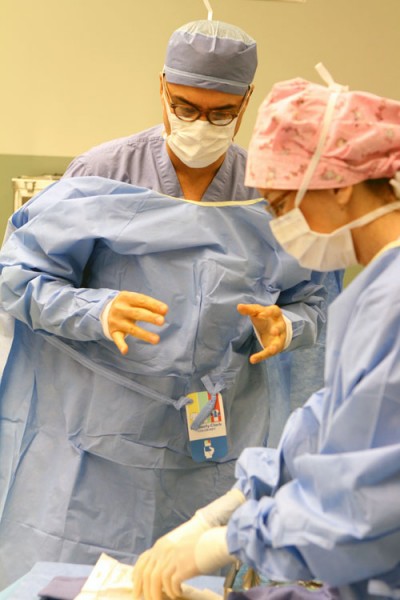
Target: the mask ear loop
pixel 337 89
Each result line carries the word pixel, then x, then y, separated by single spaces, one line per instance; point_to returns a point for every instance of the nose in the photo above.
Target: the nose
pixel 203 115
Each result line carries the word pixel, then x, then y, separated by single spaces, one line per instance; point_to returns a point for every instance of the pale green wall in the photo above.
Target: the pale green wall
pixel 351 273
pixel 75 73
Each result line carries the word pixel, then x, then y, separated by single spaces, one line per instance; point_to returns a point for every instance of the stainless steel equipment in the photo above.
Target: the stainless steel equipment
pixel 27 186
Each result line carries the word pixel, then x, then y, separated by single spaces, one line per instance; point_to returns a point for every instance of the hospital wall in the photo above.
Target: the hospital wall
pixel 75 73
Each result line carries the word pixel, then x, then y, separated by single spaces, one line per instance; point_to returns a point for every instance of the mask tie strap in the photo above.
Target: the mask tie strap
pixel 371 216
pixel 328 79
pixel 337 89
pixel 210 10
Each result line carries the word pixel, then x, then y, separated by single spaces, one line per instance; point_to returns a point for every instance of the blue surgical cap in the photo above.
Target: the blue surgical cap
pixel 211 55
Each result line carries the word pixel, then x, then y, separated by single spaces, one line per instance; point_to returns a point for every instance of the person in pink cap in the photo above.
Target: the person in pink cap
pixel 325 505
pixel 311 141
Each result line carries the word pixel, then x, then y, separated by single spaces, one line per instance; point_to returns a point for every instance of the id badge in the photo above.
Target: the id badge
pixel 208 441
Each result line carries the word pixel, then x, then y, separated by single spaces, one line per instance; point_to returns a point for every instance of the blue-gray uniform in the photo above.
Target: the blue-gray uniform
pixel 94 450
pixel 142 159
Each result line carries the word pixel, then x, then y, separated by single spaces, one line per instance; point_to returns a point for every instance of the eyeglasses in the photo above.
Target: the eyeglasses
pixel 217 117
pixel 276 202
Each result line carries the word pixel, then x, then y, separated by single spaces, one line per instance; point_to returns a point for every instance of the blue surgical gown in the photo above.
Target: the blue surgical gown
pixel 142 159
pixel 326 504
pixel 94 452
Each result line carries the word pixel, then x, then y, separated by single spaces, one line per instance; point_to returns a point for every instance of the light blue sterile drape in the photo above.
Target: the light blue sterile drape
pixel 94 452
pixel 326 503
pixel 142 159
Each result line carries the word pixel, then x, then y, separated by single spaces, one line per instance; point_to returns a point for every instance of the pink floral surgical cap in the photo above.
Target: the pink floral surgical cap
pixel 363 140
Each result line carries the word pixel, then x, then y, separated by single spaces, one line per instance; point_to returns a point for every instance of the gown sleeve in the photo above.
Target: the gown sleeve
pixel 42 267
pixel 325 504
pixel 305 305
pixel 260 473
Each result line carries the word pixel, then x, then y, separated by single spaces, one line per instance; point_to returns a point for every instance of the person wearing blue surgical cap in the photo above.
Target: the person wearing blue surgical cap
pixel 205 85
pixel 95 449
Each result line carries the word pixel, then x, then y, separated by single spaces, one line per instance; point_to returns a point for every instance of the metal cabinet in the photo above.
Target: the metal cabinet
pixel 27 186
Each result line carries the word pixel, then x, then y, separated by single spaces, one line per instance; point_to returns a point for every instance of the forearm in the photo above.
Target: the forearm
pixel 306 306
pixel 323 524
pixel 215 514
pixel 52 305
pixel 306 322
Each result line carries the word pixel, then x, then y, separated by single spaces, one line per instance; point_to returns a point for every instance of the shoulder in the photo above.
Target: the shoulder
pixel 381 276
pixel 126 144
pixel 102 159
pixel 374 293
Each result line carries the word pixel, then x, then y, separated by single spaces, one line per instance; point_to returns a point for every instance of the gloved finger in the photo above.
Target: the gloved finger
pixel 134 299
pixel 259 311
pixel 175 584
pixel 152 304
pixel 122 321
pixel 136 314
pixel 155 584
pixel 270 312
pixel 249 310
pixel 167 575
pixel 142 334
pixel 135 331
pixel 149 572
pixel 137 575
pixel 271 350
pixel 118 338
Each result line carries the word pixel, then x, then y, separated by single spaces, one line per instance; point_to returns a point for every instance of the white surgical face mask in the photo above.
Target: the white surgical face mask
pixel 321 251
pixel 198 143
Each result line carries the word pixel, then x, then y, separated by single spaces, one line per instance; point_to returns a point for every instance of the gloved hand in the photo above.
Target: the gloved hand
pixel 164 567
pixel 197 546
pixel 271 327
pixel 219 511
pixel 120 318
